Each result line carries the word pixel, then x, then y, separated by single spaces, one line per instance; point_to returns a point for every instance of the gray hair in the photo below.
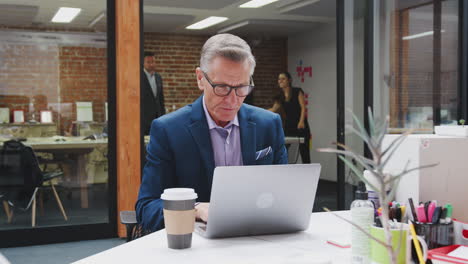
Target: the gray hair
pixel 227 46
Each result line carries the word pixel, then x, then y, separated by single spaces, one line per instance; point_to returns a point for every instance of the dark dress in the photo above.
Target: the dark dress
pixel 292 110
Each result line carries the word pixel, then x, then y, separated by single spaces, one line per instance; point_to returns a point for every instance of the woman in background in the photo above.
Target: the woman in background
pixel 290 104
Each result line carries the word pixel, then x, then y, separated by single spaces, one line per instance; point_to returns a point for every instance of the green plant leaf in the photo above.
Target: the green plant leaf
pixel 357 172
pixel 371 122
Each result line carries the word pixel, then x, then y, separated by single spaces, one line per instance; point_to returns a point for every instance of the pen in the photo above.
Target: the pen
pixel 413 211
pixel 416 243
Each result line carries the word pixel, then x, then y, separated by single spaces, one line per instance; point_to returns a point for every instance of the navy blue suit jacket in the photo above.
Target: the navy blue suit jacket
pixel 180 154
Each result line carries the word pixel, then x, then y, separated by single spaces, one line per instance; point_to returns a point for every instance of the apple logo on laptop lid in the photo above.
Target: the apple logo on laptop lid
pixel 265 200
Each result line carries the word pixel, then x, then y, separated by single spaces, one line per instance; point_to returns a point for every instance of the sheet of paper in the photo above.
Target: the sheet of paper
pixel 4 115
pixel 46 116
pixel 84 111
pixel 18 116
pixel 460 252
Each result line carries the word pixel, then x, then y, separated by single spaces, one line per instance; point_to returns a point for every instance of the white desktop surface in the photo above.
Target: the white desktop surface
pixel 309 246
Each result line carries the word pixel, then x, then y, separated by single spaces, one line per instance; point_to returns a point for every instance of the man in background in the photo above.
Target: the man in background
pixel 152 97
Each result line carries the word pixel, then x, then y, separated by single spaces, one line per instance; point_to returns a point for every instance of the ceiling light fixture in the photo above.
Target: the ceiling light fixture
pixel 97 19
pixel 256 3
pixel 297 5
pixel 65 14
pixel 420 35
pixel 232 27
pixel 207 22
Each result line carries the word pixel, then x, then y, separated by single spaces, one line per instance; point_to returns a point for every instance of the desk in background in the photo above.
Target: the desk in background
pixel 298 247
pixel 76 148
pixel 25 130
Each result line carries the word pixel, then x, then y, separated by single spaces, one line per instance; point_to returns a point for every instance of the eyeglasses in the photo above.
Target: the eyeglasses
pixel 225 90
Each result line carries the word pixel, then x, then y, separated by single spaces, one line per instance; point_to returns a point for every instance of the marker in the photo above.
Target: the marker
pixel 413 211
pixel 448 217
pixel 421 214
pixel 443 214
pixel 403 211
pixel 436 216
pixel 430 211
pixel 398 214
pixel 426 209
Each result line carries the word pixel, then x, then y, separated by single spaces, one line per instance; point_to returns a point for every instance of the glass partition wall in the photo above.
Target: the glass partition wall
pixel 417 51
pixel 53 99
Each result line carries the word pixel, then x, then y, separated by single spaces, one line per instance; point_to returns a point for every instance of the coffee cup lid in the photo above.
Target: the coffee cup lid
pixel 178 194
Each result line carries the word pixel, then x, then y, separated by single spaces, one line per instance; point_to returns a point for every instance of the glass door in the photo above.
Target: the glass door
pixel 351 82
pixel 54 100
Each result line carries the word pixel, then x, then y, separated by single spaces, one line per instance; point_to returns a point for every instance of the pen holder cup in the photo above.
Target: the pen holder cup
pixel 435 235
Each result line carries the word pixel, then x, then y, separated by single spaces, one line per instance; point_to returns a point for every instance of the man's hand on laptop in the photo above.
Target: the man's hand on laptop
pixel 201 211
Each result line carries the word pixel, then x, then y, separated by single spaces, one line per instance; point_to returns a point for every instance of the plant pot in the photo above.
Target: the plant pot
pixel 459 131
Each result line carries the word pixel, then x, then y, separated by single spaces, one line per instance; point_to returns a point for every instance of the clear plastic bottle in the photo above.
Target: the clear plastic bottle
pixel 362 214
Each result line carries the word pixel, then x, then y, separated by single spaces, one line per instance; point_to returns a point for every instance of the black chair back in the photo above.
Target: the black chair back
pixel 19 173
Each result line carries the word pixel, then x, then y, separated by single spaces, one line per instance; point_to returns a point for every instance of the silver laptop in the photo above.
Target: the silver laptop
pixel 263 199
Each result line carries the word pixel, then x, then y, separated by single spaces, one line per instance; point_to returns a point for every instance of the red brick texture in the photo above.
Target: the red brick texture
pixel 83 78
pixel 177 56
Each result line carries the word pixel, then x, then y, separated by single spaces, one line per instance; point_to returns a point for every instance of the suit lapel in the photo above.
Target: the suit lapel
pixel 248 136
pixel 201 134
pixel 159 84
pixel 147 86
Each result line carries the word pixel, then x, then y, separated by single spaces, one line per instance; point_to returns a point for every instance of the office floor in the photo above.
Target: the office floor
pixel 326 196
pixel 59 253
pixel 50 214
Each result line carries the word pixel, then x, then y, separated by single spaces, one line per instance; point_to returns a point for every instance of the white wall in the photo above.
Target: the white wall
pixel 317 48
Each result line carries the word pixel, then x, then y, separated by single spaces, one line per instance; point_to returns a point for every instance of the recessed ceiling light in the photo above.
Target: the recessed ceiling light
pixel 256 3
pixel 65 14
pixel 296 5
pixel 207 22
pixel 420 35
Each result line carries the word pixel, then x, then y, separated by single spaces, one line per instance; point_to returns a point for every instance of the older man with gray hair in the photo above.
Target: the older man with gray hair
pixel 218 129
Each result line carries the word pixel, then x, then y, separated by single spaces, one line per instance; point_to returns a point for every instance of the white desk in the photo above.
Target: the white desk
pixel 303 247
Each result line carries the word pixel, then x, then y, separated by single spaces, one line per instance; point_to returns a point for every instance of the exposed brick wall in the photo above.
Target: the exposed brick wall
pixel 177 56
pixel 176 59
pixel 272 57
pixel 31 76
pixel 28 70
pixel 83 77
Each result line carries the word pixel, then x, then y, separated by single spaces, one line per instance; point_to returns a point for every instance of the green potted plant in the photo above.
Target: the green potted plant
pixel 380 157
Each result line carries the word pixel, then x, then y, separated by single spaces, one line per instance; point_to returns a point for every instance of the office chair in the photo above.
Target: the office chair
pixel 134 230
pixel 293 152
pixel 6 207
pixel 21 178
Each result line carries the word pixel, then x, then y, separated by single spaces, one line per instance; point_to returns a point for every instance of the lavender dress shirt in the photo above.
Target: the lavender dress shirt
pixel 225 141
